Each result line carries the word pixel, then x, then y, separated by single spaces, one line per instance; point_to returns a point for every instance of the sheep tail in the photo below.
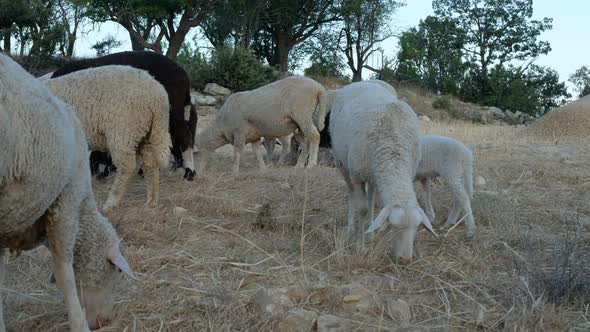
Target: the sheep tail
pixel 319 113
pixel 159 140
pixel 468 182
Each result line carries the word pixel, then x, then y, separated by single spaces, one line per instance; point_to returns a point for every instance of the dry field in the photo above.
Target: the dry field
pixel 201 269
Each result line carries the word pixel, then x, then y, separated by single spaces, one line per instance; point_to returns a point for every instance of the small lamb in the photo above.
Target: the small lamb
pixel 376 146
pixel 124 111
pixel 46 197
pixel 271 111
pixel 453 162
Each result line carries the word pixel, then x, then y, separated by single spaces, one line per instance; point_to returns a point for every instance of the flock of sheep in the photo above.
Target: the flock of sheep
pixel 136 106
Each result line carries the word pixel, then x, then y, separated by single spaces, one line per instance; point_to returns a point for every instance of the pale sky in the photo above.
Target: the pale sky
pixel 568 38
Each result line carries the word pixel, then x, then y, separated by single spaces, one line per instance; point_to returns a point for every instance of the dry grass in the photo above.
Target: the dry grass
pixel 570 122
pixel 199 270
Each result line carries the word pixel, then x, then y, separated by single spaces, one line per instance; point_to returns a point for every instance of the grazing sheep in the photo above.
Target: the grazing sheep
pixel 98 158
pixel 46 197
pixel 183 115
pixel 271 111
pixel 325 139
pixel 269 145
pixel 123 110
pixel 453 162
pixel 375 144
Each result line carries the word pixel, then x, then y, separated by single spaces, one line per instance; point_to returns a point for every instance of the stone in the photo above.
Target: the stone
pixel 298 320
pixel 424 118
pixel 285 186
pixel 214 89
pixel 398 310
pixel 331 323
pixel 203 100
pixel 177 210
pixel 480 181
pixel 278 300
pixel 359 299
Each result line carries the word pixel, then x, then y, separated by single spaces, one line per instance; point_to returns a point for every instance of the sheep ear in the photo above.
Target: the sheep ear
pixel 426 222
pixel 119 261
pixel 381 217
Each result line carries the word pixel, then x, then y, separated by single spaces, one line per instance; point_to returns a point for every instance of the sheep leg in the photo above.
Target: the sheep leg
pixel 238 148
pixel 256 147
pixel 2 272
pixel 285 148
pixel 153 192
pixel 62 231
pixel 269 146
pixel 201 161
pixel 462 203
pixel 427 186
pixel 371 209
pixel 356 202
pixel 126 170
pixel 302 158
pixel 312 137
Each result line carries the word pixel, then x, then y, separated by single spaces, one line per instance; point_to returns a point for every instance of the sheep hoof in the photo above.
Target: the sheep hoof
pixel 470 235
pixel 189 174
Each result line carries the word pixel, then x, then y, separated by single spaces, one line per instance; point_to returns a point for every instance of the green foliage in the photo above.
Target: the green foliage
pixel 496 32
pixel 581 81
pixel 535 91
pixel 442 102
pixel 234 68
pixel 104 46
pixel 432 54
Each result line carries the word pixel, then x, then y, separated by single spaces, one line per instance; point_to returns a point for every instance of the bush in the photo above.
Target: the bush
pixel 442 102
pixel 234 68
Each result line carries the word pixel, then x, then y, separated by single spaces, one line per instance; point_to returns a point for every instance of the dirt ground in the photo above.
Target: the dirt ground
pixel 201 268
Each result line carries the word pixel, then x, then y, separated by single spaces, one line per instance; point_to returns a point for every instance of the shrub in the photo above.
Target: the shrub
pixel 442 102
pixel 233 67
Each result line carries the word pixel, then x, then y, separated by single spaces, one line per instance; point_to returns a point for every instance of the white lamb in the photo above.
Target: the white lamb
pixel 272 111
pixel 124 111
pixel 375 144
pixel 453 162
pixel 46 197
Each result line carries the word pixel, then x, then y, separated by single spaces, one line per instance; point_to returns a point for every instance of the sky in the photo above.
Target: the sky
pixel 570 48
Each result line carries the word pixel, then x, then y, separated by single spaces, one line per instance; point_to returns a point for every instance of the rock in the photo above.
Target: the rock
pixel 285 186
pixel 205 110
pixel 298 320
pixel 424 118
pixel 398 310
pixel 359 299
pixel 214 89
pixel 203 100
pixel 177 210
pixel 331 323
pixel 480 181
pixel 277 300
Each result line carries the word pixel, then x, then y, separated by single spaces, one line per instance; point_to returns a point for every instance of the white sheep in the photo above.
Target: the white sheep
pixel 453 162
pixel 125 111
pixel 375 144
pixel 271 111
pixel 46 197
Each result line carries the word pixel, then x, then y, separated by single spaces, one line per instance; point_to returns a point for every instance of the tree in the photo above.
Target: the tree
pixel 171 19
pixel 365 25
pixel 535 91
pixel 581 81
pixel 287 23
pixel 104 46
pixel 432 54
pixel 324 55
pixel 496 32
pixel 72 13
pixel 237 19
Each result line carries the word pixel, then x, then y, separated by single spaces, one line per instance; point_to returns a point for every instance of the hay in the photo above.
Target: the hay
pixel 200 269
pixel 571 121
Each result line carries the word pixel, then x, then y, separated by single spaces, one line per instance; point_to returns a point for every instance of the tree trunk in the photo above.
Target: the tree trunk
pixel 176 40
pixel 135 44
pixel 282 53
pixel 357 75
pixel 7 46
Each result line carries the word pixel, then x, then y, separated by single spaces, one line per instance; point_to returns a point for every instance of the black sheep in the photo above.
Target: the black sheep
pixel 177 84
